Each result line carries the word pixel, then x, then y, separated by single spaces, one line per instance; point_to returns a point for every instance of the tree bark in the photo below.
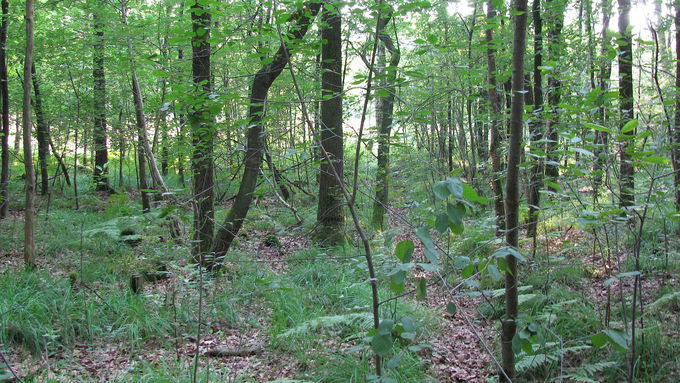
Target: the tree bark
pixel 99 92
pixel 601 138
pixel 384 117
pixel 29 225
pixel 509 325
pixel 262 81
pixel 330 215
pixel 625 42
pixel 43 134
pixel 536 123
pixel 202 132
pixel 555 15
pixel 676 127
pixel 495 112
pixel 4 99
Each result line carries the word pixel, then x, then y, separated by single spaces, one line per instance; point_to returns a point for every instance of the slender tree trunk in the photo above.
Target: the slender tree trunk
pixel 494 101
pixel 627 184
pixel 202 132
pixel 143 183
pixel 18 133
pixel 262 81
pixel 509 326
pixel 141 118
pixel 4 99
pixel 330 215
pixel 29 225
pixel 555 13
pixel 99 92
pixel 536 123
pixel 676 128
pixel 384 117
pixel 43 134
pixel 601 138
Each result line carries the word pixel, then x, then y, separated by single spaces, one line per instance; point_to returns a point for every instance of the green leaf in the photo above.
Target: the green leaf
pixel 441 190
pixel 618 339
pixel 404 251
pixel 442 223
pixel 493 272
pixel 394 361
pixel 655 160
pixel 381 344
pixel 471 195
pixel 397 282
pixel 455 187
pixel 599 339
pixel 597 127
pixel 507 250
pixel 430 252
pixel 421 289
pixel 451 308
pixel 630 126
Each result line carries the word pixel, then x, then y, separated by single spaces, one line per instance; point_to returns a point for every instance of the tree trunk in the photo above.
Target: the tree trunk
pixel 29 225
pixel 555 12
pixel 676 128
pixel 262 81
pixel 601 138
pixel 626 184
pixel 512 187
pixel 384 120
pixel 202 132
pixel 43 134
pixel 99 92
pixel 329 214
pixel 4 99
pixel 536 124
pixel 494 101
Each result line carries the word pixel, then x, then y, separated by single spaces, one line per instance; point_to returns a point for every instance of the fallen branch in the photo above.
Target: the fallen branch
pixel 225 351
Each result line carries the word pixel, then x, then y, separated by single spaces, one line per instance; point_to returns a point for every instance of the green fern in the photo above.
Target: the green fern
pixel 363 320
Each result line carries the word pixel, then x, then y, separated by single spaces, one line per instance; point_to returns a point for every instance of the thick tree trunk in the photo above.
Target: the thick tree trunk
pixel 495 113
pixel 4 99
pixel 509 326
pixel 29 225
pixel 262 81
pixel 43 134
pixel 330 215
pixel 384 117
pixel 202 132
pixel 626 184
pixel 99 92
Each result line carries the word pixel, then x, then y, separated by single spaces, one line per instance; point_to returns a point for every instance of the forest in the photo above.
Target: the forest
pixel 297 191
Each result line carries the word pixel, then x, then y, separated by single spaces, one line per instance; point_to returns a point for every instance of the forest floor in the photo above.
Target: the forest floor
pixel 282 308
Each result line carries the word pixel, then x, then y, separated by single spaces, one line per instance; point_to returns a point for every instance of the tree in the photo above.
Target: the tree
pixel 495 114
pixel 29 225
pixel 536 123
pixel 262 81
pixel 384 117
pixel 202 132
pixel 555 16
pixel 625 42
pixel 43 134
pixel 329 213
pixel 676 127
pixel 4 100
pixel 101 158
pixel 509 324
